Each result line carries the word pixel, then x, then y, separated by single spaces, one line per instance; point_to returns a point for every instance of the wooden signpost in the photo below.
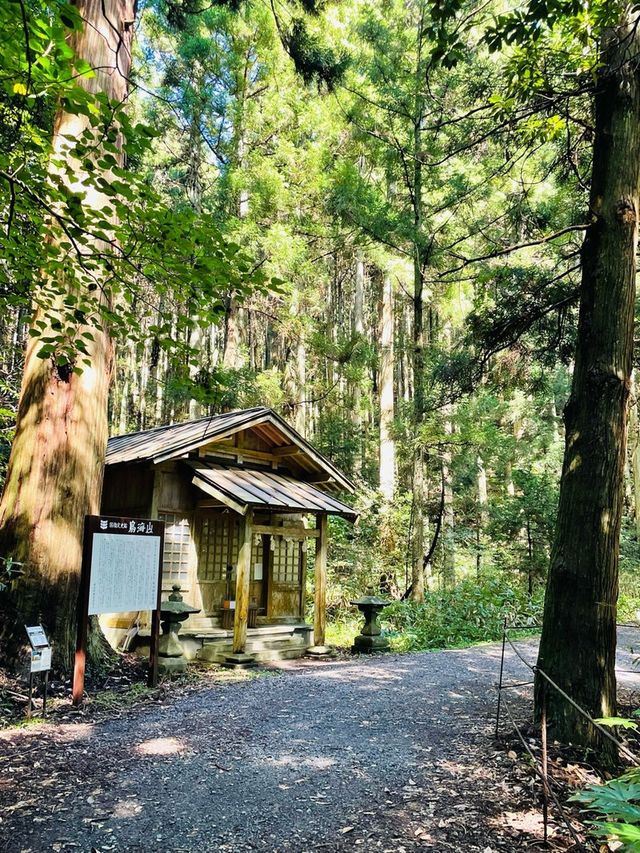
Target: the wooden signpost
pixel 121 571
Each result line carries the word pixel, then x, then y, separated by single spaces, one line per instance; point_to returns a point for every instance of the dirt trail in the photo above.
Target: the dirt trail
pixel 392 753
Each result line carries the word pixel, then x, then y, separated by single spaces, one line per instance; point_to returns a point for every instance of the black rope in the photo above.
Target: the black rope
pixel 502 702
pixel 545 781
pixel 603 731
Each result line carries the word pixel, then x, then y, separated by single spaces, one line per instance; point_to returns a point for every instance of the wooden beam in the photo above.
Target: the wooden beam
pixel 155 496
pixel 287 450
pixel 320 600
pixel 228 449
pixel 298 532
pixel 243 578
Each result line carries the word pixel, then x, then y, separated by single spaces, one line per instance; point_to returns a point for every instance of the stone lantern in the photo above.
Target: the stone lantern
pixel 172 612
pixel 370 638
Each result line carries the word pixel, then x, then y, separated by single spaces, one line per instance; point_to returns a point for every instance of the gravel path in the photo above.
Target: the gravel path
pixel 392 753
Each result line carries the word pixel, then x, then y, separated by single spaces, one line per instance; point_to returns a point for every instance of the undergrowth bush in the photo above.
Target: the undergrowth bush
pixel 470 612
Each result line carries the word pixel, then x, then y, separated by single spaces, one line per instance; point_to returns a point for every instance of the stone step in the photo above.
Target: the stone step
pixel 216 653
pixel 261 631
pixel 261 644
pixel 262 649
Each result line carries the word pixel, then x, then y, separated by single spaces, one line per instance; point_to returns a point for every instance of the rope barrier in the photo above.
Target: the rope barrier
pixel 630 755
pixel 545 781
pixel 600 728
pixel 547 788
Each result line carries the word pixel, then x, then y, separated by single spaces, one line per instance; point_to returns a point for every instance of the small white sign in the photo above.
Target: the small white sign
pixel 257 571
pixel 37 636
pixel 41 659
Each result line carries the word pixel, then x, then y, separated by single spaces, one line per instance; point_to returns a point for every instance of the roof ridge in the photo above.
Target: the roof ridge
pixel 190 421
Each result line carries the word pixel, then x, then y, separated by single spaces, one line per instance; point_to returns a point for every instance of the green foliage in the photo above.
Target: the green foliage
pixel 7 422
pixel 88 238
pixel 616 805
pixel 314 59
pixel 469 613
pixel 10 570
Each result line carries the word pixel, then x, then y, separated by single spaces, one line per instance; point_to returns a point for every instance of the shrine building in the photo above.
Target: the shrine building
pixel 245 501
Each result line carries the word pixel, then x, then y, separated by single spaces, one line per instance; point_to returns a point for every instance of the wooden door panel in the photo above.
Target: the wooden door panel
pixel 285 579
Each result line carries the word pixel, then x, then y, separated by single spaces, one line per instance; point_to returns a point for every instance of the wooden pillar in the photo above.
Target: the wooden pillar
pixel 243 577
pixel 320 602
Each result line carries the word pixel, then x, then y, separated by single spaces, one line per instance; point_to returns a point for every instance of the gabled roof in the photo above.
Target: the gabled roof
pixel 176 440
pixel 240 489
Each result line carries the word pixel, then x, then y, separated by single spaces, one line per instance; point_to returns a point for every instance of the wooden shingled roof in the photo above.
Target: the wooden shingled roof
pixel 178 440
pixel 240 488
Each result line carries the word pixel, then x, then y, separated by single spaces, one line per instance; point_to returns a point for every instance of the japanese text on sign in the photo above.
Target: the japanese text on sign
pixel 124 566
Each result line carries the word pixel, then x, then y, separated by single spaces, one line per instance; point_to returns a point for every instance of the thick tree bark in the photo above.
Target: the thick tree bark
pixel 578 641
pixel 57 458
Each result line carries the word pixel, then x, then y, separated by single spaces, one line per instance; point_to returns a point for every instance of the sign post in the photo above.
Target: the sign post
pixel 40 662
pixel 121 571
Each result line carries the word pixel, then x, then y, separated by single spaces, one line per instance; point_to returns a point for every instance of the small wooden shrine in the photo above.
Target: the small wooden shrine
pixel 243 496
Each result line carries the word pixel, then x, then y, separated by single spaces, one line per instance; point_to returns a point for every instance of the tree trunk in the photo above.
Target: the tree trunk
pixel 483 505
pixel 196 340
pixel 57 458
pixel 417 574
pixel 448 541
pixel 417 539
pixel 578 643
pixel 231 352
pixel 387 444
pixel 358 329
pixel 300 388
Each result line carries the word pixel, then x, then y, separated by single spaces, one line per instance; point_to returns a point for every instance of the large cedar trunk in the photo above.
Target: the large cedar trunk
pixel 578 641
pixel 57 458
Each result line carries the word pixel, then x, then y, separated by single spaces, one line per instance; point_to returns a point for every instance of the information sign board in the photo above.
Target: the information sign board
pixel 125 557
pixel 121 571
pixel 37 636
pixel 41 659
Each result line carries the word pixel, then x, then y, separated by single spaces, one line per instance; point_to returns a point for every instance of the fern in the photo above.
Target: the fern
pixel 617 804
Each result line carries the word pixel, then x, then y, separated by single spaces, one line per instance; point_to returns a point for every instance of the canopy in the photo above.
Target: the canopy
pixel 241 488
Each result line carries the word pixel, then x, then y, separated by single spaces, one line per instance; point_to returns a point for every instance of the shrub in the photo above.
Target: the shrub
pixel 470 612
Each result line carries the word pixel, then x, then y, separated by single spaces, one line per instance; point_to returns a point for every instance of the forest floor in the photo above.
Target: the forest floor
pixel 393 753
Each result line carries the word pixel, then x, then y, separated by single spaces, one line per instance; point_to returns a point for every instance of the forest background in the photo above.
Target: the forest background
pixel 412 189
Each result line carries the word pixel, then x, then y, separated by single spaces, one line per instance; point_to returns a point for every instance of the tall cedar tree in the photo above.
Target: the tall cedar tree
pixel 578 641
pixel 57 458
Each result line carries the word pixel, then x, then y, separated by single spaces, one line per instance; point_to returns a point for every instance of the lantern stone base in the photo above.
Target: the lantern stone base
pixel 167 666
pixel 239 660
pixel 366 645
pixel 320 652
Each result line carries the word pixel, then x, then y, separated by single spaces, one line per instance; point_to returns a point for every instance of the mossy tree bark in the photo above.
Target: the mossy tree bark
pixel 57 458
pixel 578 641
